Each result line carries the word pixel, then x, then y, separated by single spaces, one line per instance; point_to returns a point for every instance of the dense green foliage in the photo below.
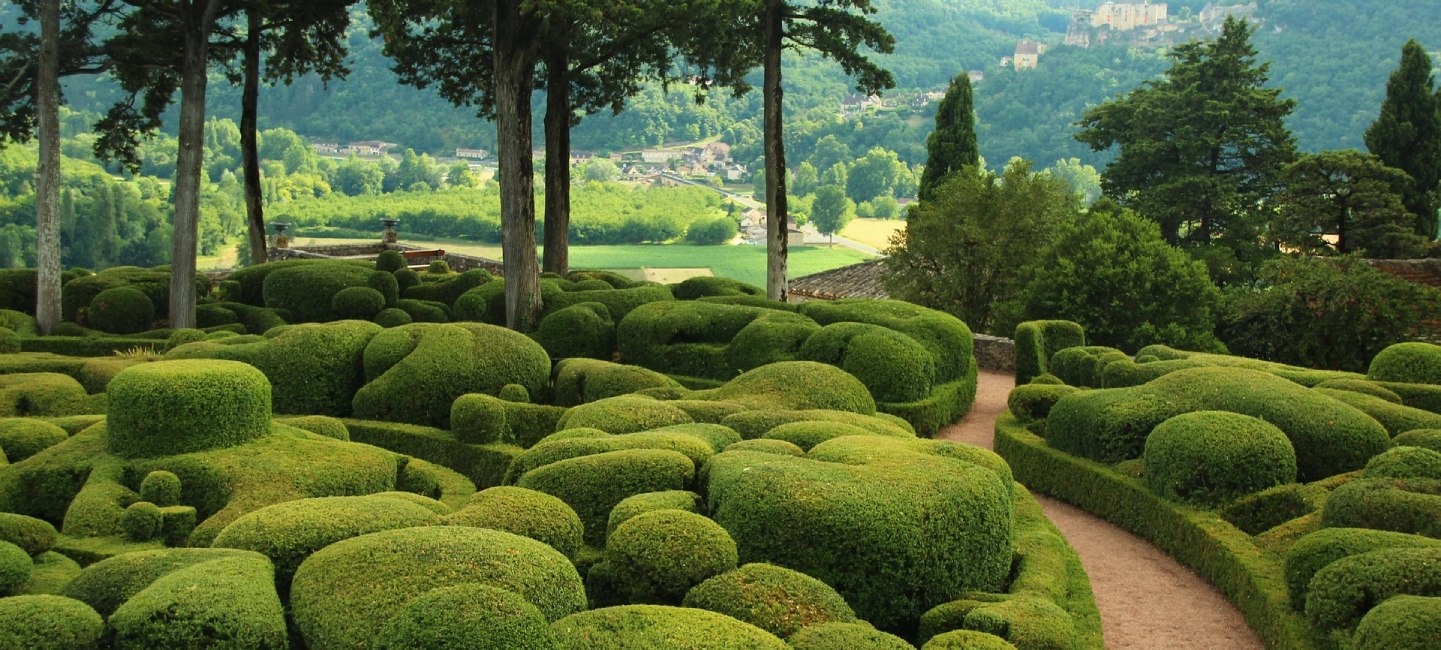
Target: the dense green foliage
pixel 1210 457
pixel 1407 135
pixel 47 622
pixel 636 627
pixel 776 599
pixel 162 409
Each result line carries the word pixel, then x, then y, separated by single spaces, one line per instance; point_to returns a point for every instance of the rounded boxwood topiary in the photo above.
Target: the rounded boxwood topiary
pixel 390 261
pixel 1033 401
pixel 307 289
pixel 33 535
pixel 967 640
pixel 121 310
pixel 9 341
pixel 656 557
pixel 1341 592
pixel 853 636
pixel 795 385
pixel 393 317
pixel 142 521
pixel 22 438
pixel 321 425
pixel 527 513
pixel 356 303
pixel 893 366
pixel 1400 623
pixel 809 434
pixel 1210 457
pixel 1264 510
pixel 44 622
pixel 1402 505
pixel 514 393
pixel 15 567
pixel 593 485
pixel 345 594
pixel 578 381
pixel 647 627
pixel 1408 363
pixel 624 414
pixel 701 287
pixel 477 419
pixel 161 488
pixel 386 284
pixel 182 336
pixel 1428 438
pixel 405 279
pixel 467 616
pixel 547 451
pixel 438 267
pixel 1405 462
pixel 650 502
pixel 1362 386
pixel 764 445
pixel 776 599
pixel 227 603
pixel 583 330
pixel 176 407
pixel 1316 550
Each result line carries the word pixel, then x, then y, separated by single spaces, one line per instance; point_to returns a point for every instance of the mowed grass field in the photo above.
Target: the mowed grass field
pixel 875 233
pixel 662 262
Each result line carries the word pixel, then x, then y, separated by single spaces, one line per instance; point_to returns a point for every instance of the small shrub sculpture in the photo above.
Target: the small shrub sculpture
pixel 776 599
pixel 173 407
pixel 1210 457
pixel 656 557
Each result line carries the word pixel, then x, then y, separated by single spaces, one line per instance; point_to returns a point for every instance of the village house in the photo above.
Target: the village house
pixel 1028 55
pixel 1126 17
pixel 370 148
pixel 472 154
pixel 326 148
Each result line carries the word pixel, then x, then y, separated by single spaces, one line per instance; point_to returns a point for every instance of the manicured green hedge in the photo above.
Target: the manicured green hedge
pixel 860 636
pixel 33 394
pixel 619 302
pixel 710 340
pixel 44 622
pixel 795 385
pixel 322 425
pixel 593 485
pixel 1038 340
pixel 228 602
pixel 702 287
pixel 467 616
pixel 656 557
pixel 1211 457
pixel 448 290
pixel 1031 402
pixel 484 465
pixel 15 567
pixel 21 438
pixel 547 451
pixel 778 447
pixel 121 310
pixel 1082 365
pixel 1426 397
pixel 357 303
pixel 809 434
pixel 578 381
pixel 946 404
pixel 624 414
pixel 1412 363
pixel 176 407
pixel 1402 505
pixel 948 339
pixel 307 290
pixel 1319 549
pixel 1366 387
pixel 893 366
pixel 646 627
pixel 1428 438
pixel 755 424
pixel 34 536
pixel 424 311
pixel 967 640
pixel 1220 553
pixel 1264 510
pixel 313 369
pixel 1343 591
pixel 640 504
pixel 345 594
pixel 581 330
pixel 1395 417
pixel 776 599
pixel 1400 623
pixel 527 513
pixel 1405 462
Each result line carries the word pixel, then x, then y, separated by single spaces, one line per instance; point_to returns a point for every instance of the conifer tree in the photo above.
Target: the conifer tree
pixel 1407 134
pixel 953 144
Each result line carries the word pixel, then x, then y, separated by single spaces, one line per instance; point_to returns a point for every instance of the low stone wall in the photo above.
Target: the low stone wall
pixel 995 353
pixel 457 262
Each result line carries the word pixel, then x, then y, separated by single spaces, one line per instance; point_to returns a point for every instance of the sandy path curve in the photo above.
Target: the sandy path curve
pixel 1148 601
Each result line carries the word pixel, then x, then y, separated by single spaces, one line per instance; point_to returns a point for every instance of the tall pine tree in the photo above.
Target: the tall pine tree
pixel 953 144
pixel 1407 134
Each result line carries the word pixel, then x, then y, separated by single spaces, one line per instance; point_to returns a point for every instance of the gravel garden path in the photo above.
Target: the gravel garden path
pixel 1148 601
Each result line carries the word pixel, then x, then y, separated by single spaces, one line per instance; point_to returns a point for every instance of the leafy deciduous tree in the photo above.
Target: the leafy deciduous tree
pixel 832 210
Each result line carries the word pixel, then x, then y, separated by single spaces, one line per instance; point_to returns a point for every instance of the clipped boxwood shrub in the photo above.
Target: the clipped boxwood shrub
pixel 581 330
pixel 762 445
pixel 424 311
pixel 357 303
pixel 1402 505
pixel 1400 623
pixel 229 602
pixel 702 287
pixel 578 381
pixel 795 385
pixel 307 290
pixel 15 567
pixel 161 488
pixel 390 261
pixel 34 394
pixel 1395 417
pixel 321 425
pixel 650 502
pixel 1038 340
pixel 619 302
pixel 345 594
pixel 22 438
pixel 1341 592
pixel 393 317
pixel 34 536
pixel 1210 457
pixel 967 640
pixel 893 366
pixel 646 627
pixel 290 532
pixel 142 521
pixel 175 407
pixel 1033 401
pixel 704 339
pixel 1428 438
pixel 1318 550
pixel 448 290
pixel 947 338
pixel 593 485
pixel 1411 363
pixel 45 622
pixel 809 434
pixel 755 424
pixel 656 557
pixel 547 451
pixel 776 599
pixel 1364 387
pixel 860 636
pixel 527 513
pixel 122 310
pixel 1405 462
pixel 467 616
pixel 624 414
pixel 1264 510
pixel 1081 366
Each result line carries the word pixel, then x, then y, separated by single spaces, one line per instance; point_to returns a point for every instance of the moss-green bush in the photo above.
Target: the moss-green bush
pixel 1401 505
pixel 424 311
pixel 547 451
pixel 478 419
pixel 228 602
pixel 581 330
pixel 967 640
pixel 578 381
pixel 356 303
pixel 619 302
pixel 390 261
pixel 795 385
pixel 1400 623
pixel 1364 387
pixel 321 425
pixel 386 284
pixel 1428 438
pixel 448 290
pixel 307 290
pixel 762 445
pixel 1259 512
pixel 1396 418
pixel 895 534
pixel 416 372
pixel 1319 549
pixel 108 583
pixel 711 340
pixel 142 521
pixel 483 304
pixel 593 485
pixel 15 567
pixel 1426 397
pixel 948 339
pixel 344 595
pixel 624 414
pixel 702 287
pixel 1033 401
pixel 313 369
pixel 776 599
pixel 1210 457
pixel 656 557
pixel 467 616
pixel 1412 363
pixel 44 622
pixel 33 394
pixel 809 434
pixel 122 310
pixel 1082 365
pixel 22 438
pixel 1037 341
pixel 175 407
pixel 1023 620
pixel 893 366
pixel 1405 462
pixel 1342 591
pixel 161 488
pixel 392 317
pixel 755 424
pixel 19 322
pixel 640 504
pixel 514 393
pixel 859 636
pixel 290 532
pixel 527 513
pixel 645 627
pixel 34 536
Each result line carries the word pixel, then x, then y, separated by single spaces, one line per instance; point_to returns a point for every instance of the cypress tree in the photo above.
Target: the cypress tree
pixel 953 144
pixel 1407 134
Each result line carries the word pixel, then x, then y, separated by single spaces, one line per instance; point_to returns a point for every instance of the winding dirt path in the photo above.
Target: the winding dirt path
pixel 1148 601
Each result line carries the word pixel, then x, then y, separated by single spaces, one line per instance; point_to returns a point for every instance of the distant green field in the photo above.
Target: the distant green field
pixel 744 263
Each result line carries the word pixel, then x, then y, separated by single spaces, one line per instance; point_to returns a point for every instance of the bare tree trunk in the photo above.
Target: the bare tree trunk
pixel 777 219
pixel 250 97
pixel 47 174
pixel 514 75
pixel 196 22
pixel 556 257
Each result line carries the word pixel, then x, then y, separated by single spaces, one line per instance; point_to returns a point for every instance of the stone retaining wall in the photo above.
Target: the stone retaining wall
pixel 995 353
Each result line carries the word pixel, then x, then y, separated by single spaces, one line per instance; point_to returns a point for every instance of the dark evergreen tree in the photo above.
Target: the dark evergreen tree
pixel 953 144
pixel 1407 134
pixel 1352 196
